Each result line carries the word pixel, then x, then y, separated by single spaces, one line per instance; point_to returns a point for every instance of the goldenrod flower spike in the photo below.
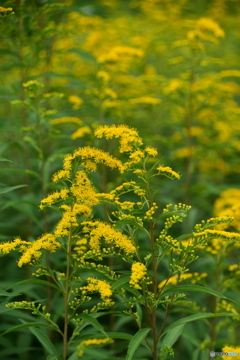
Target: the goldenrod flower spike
pixel 139 272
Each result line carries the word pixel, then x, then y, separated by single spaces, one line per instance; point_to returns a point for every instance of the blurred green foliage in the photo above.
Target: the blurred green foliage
pixel 170 69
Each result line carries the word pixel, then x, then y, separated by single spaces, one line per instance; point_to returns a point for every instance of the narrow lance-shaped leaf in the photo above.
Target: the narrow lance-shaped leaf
pixel 120 282
pixel 194 288
pixel 10 188
pixel 135 342
pixel 91 320
pixel 43 339
pixel 34 281
pixel 196 317
pixel 28 325
pixel 172 335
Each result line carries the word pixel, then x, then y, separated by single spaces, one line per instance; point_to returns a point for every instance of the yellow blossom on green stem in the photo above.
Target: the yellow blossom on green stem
pixel 98 230
pixel 139 272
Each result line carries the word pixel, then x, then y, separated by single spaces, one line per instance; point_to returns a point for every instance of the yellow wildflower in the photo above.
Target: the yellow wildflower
pixel 127 136
pixel 208 24
pixel 145 100
pixel 83 190
pixel 100 286
pixel 32 252
pixel 228 73
pixel 139 272
pixel 92 343
pixel 224 235
pixel 98 230
pixel 69 218
pixel 66 120
pixel 99 156
pixel 167 171
pixel 233 267
pixel 7 247
pixel 119 53
pixel 151 151
pixel 104 76
pixel 81 246
pixel 76 101
pixel 81 132
pixel 56 196
pixel 61 174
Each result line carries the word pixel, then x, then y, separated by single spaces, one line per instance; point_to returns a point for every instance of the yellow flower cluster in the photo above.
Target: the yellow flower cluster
pixel 7 247
pixel 69 218
pixel 98 230
pixel 139 272
pixel 205 24
pixel 126 187
pixel 31 250
pixel 173 86
pixel 57 196
pixel 103 196
pixel 173 280
pixel 76 101
pixel 119 53
pixel 228 205
pixel 167 171
pixel 126 205
pixel 3 9
pixel 231 349
pixel 235 268
pixel 100 286
pixel 224 235
pixel 83 190
pixel 32 85
pixel 149 213
pixel 127 136
pixel 223 305
pixel 104 76
pixel 229 73
pixel 98 156
pixel 80 247
pixel 66 120
pixel 145 100
pixel 32 253
pixel 151 151
pixel 81 132
pixel 65 173
pixel 92 343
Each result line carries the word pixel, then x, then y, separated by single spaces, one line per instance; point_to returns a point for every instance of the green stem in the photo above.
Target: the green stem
pixel 155 265
pixel 67 295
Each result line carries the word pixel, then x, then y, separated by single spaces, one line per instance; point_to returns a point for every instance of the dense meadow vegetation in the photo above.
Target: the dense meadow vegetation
pixel 120 179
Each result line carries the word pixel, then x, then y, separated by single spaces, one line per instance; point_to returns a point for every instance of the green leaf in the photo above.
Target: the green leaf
pixel 4 159
pixel 5 293
pixel 135 342
pixel 34 281
pixel 10 188
pixel 196 317
pixel 172 336
pixel 194 288
pixel 185 236
pixel 54 357
pixel 135 292
pixel 83 54
pixel 112 335
pixel 43 339
pixel 19 171
pixel 28 325
pixel 91 320
pixel 120 282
